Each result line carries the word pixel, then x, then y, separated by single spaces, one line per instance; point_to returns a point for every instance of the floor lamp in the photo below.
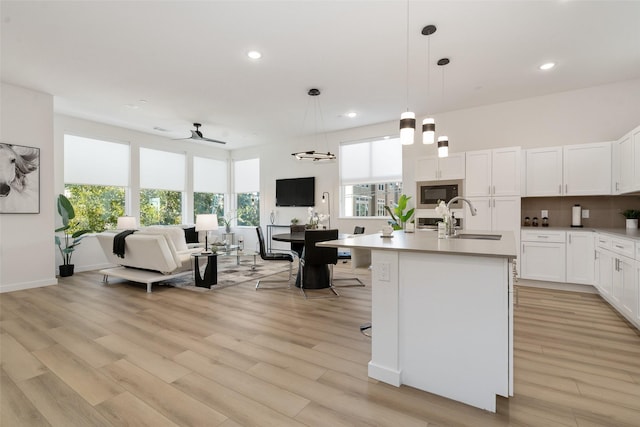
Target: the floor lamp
pixel 206 223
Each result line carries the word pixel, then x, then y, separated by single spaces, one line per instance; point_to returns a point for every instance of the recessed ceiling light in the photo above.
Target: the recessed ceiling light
pixel 254 54
pixel 351 114
pixel 547 66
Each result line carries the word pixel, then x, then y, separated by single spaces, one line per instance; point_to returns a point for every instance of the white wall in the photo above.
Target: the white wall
pixel 26 240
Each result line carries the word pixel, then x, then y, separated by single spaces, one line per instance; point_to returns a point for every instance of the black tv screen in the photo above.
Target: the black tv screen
pixel 296 191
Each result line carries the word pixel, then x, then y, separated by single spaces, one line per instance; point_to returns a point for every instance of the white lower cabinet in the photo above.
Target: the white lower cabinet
pixel 617 277
pixel 543 255
pixel 580 257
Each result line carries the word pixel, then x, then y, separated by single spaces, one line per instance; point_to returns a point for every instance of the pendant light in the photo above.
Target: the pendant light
pixel 428 124
pixel 313 155
pixel 407 119
pixel 443 141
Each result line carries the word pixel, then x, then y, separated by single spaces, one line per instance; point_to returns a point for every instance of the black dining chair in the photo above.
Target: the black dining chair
pixel 274 256
pixel 318 256
pixel 346 255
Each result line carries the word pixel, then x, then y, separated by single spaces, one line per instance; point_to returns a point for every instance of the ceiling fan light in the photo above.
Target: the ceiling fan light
pixel 443 146
pixel 428 130
pixel 407 127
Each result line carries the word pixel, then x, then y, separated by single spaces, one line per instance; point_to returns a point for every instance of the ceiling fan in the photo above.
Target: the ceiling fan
pixel 197 135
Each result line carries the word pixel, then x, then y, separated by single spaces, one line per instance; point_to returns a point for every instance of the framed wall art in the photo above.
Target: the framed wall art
pixel 19 179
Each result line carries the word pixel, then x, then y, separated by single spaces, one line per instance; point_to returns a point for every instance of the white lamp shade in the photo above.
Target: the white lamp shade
pixel 443 146
pixel 206 222
pixel 428 130
pixel 127 223
pixel 407 127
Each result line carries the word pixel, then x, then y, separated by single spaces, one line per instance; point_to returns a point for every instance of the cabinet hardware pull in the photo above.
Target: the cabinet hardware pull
pixel 566 189
pixel 543 237
pixel 494 190
pixel 617 186
pixel 569 238
pixel 560 189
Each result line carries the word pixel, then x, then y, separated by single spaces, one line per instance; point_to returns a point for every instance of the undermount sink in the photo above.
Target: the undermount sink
pixel 477 236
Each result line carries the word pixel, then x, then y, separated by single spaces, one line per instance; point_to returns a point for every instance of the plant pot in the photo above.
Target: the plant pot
pixel 632 224
pixel 66 270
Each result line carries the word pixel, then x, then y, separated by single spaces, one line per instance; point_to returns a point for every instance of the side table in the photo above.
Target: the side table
pixel 210 271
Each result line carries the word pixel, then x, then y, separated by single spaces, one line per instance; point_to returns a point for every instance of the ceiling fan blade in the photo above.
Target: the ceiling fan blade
pixel 213 140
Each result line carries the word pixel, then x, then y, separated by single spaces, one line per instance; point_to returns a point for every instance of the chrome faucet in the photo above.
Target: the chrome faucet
pixel 452 227
pixel 474 211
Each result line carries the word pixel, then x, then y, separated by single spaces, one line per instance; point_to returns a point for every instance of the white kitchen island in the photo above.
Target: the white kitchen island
pixel 442 313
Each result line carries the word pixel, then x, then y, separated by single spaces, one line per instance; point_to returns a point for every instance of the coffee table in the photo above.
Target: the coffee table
pixel 236 252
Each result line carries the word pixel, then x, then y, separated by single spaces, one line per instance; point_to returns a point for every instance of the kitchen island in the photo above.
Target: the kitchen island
pixel 441 313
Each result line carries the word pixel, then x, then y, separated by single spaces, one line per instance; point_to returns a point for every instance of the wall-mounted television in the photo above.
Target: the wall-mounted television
pixel 296 191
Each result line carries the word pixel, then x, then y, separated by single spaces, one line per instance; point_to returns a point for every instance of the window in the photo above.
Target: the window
pixel 246 175
pixel 370 176
pixel 209 186
pixel 96 177
pixel 162 182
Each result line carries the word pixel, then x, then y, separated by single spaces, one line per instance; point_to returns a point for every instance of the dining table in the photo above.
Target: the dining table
pixel 315 276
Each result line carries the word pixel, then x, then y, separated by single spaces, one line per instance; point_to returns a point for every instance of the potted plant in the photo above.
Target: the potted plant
pixel 67 244
pixel 399 216
pixel 226 221
pixel 632 216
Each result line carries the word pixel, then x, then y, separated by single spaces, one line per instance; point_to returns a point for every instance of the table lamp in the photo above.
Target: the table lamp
pixel 206 223
pixel 127 223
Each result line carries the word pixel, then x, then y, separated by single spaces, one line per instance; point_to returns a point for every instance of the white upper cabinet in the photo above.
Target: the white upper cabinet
pixel 623 167
pixel 493 172
pixel 587 169
pixel 544 171
pixel 572 170
pixel 434 168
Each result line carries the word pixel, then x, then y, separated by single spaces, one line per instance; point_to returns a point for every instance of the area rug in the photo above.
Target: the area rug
pixel 231 274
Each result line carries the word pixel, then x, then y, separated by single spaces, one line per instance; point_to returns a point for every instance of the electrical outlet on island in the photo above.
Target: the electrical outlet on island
pixel 585 213
pixel 544 213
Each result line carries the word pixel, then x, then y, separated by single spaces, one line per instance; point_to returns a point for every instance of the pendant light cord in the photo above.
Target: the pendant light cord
pixel 407 57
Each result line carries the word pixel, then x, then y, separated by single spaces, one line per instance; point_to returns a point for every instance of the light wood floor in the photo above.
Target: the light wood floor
pixel 85 354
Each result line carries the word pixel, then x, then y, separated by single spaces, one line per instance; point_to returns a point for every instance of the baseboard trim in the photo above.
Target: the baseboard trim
pixel 28 285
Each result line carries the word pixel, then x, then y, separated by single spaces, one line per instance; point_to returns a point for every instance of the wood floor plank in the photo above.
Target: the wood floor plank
pixel 17 361
pixel 181 408
pixel 16 410
pixel 126 409
pixel 58 403
pixel 77 374
pixel 26 334
pixel 260 391
pixel 156 364
pixel 87 349
pixel 239 407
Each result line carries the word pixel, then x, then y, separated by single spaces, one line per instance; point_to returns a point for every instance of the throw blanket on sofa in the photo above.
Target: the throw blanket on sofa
pixel 118 242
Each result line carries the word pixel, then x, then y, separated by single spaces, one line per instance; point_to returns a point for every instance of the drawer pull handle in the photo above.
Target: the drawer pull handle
pixel 619 247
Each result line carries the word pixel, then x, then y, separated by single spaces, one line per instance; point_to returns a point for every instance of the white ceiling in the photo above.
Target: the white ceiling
pixel 187 59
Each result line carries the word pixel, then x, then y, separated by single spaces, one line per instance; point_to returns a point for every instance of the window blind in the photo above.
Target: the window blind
pixel 209 175
pixel 162 170
pixel 94 162
pixel 247 175
pixel 377 160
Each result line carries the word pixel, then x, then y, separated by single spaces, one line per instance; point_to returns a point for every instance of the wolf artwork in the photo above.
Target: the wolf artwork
pixel 19 179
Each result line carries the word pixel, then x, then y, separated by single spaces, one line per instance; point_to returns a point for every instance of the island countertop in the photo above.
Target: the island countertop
pixel 428 241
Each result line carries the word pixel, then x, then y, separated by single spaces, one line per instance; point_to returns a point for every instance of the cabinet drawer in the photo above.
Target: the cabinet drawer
pixel 543 236
pixel 623 247
pixel 603 241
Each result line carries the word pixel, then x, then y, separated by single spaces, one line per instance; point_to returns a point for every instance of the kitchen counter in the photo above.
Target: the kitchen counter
pixel 441 312
pixel 618 232
pixel 427 241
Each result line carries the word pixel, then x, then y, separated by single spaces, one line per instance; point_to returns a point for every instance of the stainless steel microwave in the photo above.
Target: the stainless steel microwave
pixel 431 192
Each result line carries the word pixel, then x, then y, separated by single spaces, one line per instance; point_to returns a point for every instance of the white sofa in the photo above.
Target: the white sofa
pixel 152 254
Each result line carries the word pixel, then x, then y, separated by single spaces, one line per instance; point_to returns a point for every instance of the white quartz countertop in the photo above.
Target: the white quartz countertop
pixel 427 241
pixel 619 232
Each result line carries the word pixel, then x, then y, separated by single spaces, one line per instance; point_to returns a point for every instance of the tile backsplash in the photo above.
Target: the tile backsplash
pixel 604 211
